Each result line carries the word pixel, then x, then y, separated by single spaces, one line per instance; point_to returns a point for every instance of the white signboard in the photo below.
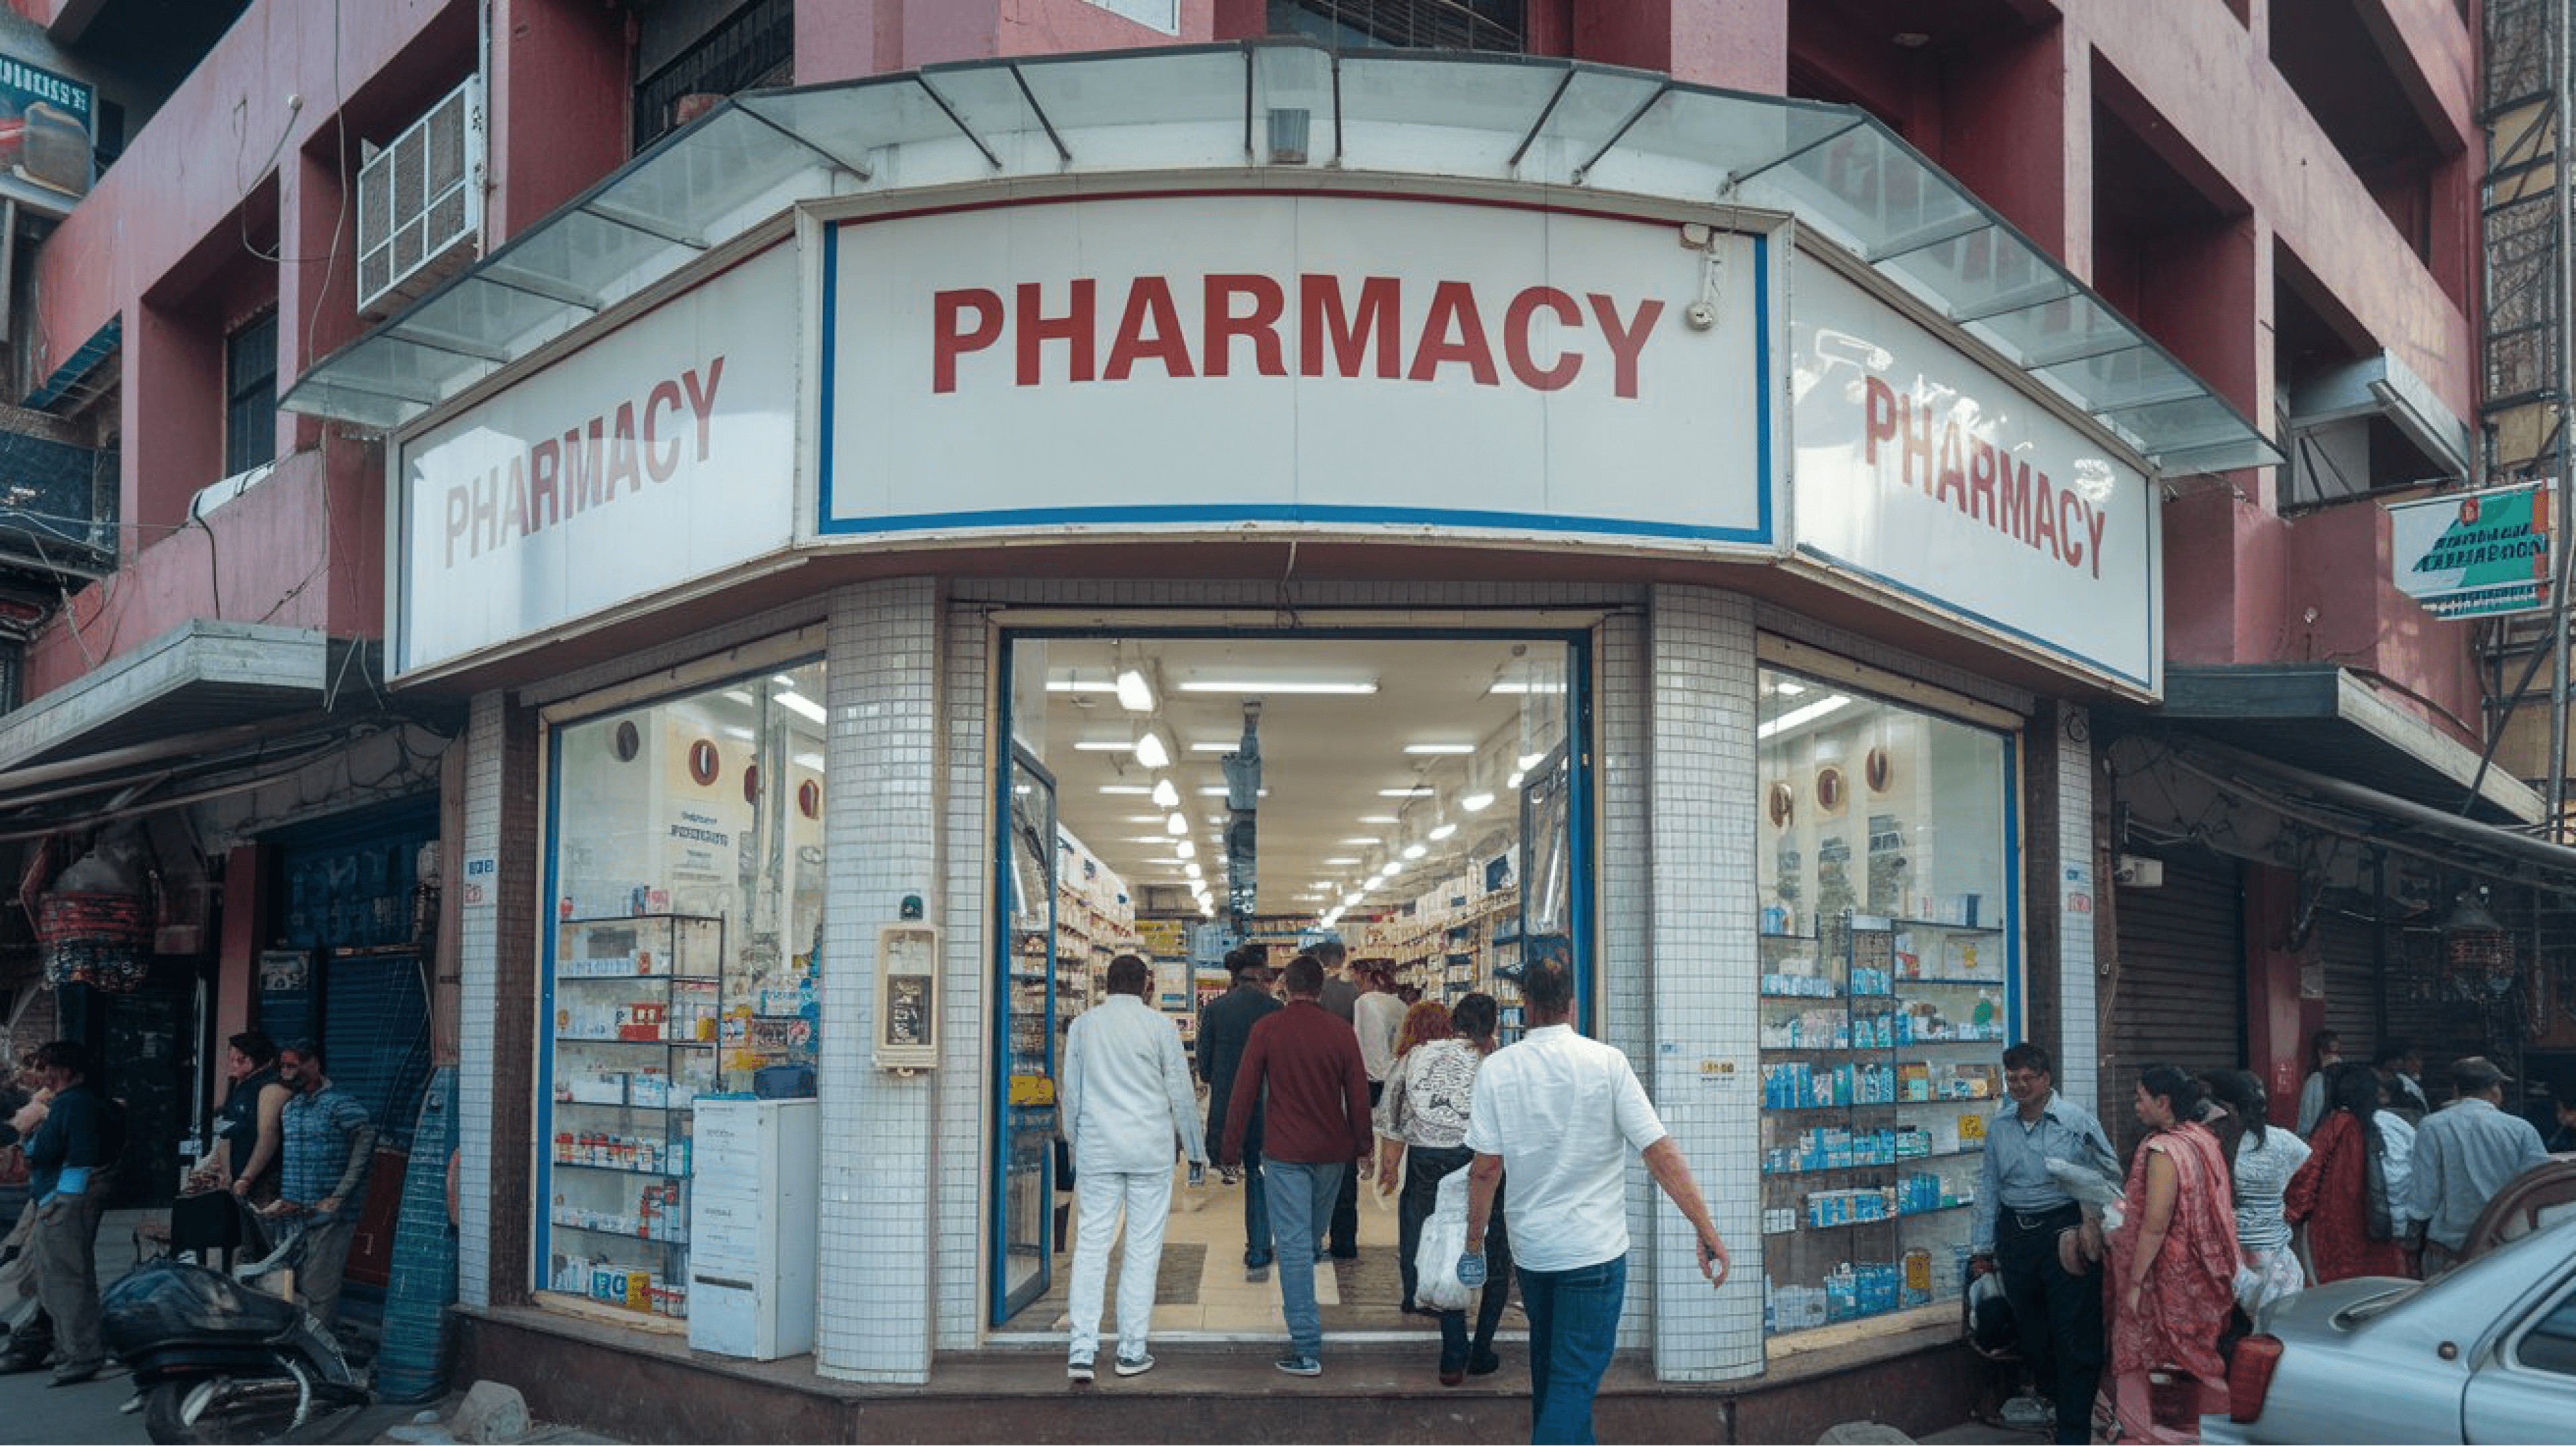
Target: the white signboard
pixel 661 452
pixel 1922 472
pixel 1239 361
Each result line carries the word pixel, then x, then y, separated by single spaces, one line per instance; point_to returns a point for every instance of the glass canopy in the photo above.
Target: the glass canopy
pixel 1530 121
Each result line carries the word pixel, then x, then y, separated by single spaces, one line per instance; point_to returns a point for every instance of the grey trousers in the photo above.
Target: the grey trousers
pixel 326 1260
pixel 64 1248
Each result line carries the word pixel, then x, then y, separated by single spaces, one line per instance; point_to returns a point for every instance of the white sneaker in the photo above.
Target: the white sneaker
pixel 1078 1369
pixel 1134 1365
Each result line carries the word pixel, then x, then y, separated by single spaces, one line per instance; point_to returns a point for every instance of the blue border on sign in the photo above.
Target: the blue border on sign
pixel 1843 564
pixel 1761 534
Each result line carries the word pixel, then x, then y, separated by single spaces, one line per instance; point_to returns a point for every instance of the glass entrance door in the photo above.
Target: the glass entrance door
pixel 1024 1046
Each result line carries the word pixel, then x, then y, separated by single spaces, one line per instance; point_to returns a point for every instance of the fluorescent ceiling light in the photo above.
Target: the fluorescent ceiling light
pixel 1415 851
pixel 1478 801
pixel 1516 686
pixel 1259 686
pixel 1421 791
pixel 1379 818
pixel 1364 840
pixel 1136 790
pixel 1803 714
pixel 736 730
pixel 1185 848
pixel 1193 870
pixel 1443 831
pixel 798 703
pixel 737 695
pixel 1165 796
pixel 1144 818
pixel 1176 825
pixel 1531 760
pixel 1133 693
pixel 1223 745
pixel 1787 689
pixel 1515 780
pixel 1218 790
pixel 1150 750
pixel 1445 748
pixel 1393 867
pixel 1151 838
pixel 1351 898
pixel 1340 862
pixel 1102 745
pixel 1079 685
pixel 782 680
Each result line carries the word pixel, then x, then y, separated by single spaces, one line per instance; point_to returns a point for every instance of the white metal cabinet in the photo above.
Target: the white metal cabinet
pixel 753 1188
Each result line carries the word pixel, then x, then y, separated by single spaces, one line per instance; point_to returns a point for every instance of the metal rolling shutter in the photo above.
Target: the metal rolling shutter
pixel 2181 986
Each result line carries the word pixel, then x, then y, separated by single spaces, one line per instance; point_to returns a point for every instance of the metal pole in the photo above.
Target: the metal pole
pixel 2563 146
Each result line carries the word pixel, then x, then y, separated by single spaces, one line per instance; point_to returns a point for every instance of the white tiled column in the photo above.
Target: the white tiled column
pixel 2078 1055
pixel 880 1130
pixel 1703 972
pixel 496 1042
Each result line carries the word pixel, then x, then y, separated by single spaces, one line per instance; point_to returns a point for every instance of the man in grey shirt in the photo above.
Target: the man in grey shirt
pixel 2464 1153
pixel 2022 1210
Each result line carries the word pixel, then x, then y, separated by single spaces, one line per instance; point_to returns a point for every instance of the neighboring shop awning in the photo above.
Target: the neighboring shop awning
pixel 206 701
pixel 2329 721
pixel 1291 108
pixel 2211 785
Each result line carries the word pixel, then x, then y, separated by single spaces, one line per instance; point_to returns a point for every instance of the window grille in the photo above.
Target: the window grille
pixel 1501 25
pixel 753 47
pixel 250 395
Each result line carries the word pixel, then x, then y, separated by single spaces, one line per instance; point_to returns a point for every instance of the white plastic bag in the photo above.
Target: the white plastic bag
pixel 1444 1239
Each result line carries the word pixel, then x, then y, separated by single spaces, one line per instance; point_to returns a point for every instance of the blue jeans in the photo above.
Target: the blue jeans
pixel 1301 1197
pixel 1574 1325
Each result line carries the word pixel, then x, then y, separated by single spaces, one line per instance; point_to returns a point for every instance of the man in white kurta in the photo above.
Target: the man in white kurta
pixel 1125 1097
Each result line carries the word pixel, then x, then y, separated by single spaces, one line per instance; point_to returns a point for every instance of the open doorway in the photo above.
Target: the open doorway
pixel 1419 797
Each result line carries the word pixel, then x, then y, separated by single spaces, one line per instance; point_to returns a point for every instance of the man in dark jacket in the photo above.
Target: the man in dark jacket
pixel 1316 1126
pixel 71 1160
pixel 1224 1028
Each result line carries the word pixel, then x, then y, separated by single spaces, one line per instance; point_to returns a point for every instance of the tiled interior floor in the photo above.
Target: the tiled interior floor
pixel 1201 1291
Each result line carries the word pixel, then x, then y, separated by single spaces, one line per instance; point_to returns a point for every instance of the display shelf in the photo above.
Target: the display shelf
pixel 1899 1161
pixel 1895 1219
pixel 638 1005
pixel 663 1174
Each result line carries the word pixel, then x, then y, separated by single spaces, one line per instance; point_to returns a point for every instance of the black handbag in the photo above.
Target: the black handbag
pixel 2376 1221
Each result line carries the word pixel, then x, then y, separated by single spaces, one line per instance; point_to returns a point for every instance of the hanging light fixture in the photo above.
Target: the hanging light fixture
pixel 1166 796
pixel 1150 750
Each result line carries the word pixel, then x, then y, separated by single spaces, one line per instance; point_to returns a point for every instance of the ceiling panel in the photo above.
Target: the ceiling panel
pixel 1328 758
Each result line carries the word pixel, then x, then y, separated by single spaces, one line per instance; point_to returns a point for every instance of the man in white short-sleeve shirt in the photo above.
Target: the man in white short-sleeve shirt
pixel 1558 1114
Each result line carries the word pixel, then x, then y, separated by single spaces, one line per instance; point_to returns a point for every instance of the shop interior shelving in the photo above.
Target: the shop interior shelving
pixel 1876 1080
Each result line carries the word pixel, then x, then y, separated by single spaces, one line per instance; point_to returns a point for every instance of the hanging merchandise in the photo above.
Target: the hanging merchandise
pixel 92 925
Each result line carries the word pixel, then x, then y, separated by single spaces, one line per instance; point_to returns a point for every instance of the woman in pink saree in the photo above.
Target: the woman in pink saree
pixel 2173 1268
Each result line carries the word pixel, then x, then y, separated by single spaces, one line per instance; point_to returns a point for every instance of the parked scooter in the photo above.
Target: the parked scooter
pixel 221 1361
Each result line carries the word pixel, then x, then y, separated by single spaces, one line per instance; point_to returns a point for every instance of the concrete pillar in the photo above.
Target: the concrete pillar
pixel 882 1132
pixel 1740 44
pixel 1697 696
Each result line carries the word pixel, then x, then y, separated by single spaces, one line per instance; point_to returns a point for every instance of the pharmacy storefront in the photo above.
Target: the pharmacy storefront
pixel 1076 522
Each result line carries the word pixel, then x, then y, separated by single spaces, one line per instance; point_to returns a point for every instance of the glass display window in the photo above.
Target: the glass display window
pixel 1887 928
pixel 684 958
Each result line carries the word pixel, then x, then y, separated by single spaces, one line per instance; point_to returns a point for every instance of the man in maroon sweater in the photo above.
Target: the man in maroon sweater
pixel 1304 1065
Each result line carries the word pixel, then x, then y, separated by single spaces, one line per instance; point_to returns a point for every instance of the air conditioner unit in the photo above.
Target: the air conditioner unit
pixel 420 203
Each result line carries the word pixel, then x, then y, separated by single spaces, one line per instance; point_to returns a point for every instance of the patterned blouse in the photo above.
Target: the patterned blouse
pixel 2262 1177
pixel 1425 1100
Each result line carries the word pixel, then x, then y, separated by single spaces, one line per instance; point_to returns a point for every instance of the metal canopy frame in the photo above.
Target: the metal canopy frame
pixel 1538 122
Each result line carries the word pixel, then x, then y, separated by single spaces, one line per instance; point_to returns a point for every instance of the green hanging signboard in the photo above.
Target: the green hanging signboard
pixel 2476 555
